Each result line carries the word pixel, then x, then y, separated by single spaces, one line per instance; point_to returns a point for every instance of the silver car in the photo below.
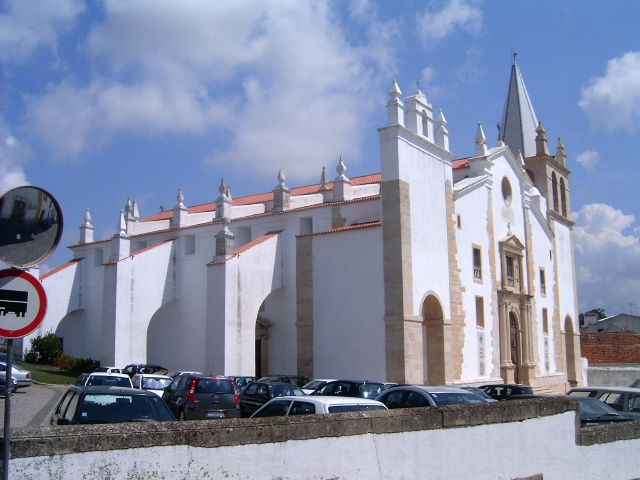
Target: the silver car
pixel 23 377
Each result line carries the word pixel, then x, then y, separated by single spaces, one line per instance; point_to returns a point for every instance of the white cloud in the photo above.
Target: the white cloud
pixel 607 258
pixel 12 157
pixel 285 80
pixel 588 159
pixel 435 26
pixel 30 25
pixel 612 102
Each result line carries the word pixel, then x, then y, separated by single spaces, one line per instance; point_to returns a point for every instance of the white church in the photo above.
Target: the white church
pixel 434 270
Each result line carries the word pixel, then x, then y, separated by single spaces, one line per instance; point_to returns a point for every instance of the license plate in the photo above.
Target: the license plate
pixel 215 415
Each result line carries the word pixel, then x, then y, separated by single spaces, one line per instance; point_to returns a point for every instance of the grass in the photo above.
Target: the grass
pixel 50 374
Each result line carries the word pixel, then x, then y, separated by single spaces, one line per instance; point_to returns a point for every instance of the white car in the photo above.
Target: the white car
pixel 315 384
pixel 108 370
pixel 106 379
pixel 23 377
pixel 151 381
pixel 317 404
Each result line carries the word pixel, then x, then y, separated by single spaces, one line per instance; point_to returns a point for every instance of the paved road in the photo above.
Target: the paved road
pixel 31 406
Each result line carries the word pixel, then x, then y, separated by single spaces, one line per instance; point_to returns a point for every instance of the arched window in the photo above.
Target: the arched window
pixel 563 197
pixel 554 191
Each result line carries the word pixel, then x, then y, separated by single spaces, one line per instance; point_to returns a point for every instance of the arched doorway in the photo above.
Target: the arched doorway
pixel 514 346
pixel 433 341
pixel 569 349
pixel 262 347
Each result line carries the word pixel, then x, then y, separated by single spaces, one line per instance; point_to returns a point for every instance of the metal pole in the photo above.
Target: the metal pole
pixel 7 411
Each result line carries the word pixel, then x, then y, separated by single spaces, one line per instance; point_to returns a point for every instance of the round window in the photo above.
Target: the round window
pixel 506 191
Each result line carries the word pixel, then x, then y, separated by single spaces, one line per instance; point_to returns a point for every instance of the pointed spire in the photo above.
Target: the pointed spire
pixel 86 229
pixel 395 91
pixel 87 219
pixel 282 179
pixel 281 193
pixel 561 155
pixel 223 202
pixel 542 147
pixel 395 107
pixel 519 121
pixel 442 133
pixel 122 225
pixel 341 168
pixel 136 211
pixel 324 183
pixel 481 142
pixel 180 198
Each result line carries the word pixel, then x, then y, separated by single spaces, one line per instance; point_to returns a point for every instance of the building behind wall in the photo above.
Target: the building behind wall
pixel 435 270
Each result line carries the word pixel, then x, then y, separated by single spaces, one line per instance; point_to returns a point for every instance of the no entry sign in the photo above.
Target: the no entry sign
pixel 23 303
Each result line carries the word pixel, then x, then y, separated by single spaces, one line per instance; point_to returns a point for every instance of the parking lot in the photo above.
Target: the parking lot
pixel 31 406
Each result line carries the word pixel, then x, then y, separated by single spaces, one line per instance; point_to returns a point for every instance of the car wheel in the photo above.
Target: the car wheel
pixel 181 416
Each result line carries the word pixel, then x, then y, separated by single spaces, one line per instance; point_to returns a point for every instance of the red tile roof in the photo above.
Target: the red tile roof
pixel 142 250
pixel 265 197
pixel 61 267
pixel 238 251
pixel 355 226
pixel 461 163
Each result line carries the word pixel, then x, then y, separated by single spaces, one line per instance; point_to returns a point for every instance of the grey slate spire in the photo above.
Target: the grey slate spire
pixel 519 121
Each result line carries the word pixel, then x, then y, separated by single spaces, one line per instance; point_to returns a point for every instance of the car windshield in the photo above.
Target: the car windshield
pixel 371 390
pixel 455 398
pixel 108 380
pixel 115 408
pixel 591 406
pixel 206 385
pixel 280 390
pixel 155 383
pixel 354 408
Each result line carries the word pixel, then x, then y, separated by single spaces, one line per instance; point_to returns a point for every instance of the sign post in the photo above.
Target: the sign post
pixel 30 229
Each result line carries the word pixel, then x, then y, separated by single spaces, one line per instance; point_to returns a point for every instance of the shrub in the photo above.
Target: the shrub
pixel 77 365
pixel 44 349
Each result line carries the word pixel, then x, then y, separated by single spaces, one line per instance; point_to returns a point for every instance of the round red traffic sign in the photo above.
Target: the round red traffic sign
pixel 23 303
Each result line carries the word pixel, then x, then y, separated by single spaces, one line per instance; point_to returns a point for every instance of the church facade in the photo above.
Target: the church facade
pixel 434 270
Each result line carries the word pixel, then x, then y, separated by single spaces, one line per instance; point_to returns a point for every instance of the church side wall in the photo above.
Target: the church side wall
pixel 478 348
pixel 348 298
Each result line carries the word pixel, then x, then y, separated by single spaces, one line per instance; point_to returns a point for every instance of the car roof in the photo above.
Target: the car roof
pixel 108 374
pixel 102 389
pixel 606 389
pixel 151 375
pixel 431 389
pixel 330 400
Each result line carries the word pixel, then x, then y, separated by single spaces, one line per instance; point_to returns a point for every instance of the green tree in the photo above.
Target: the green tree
pixel 45 349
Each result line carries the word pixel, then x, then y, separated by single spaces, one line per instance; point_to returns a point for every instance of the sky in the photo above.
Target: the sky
pixel 102 101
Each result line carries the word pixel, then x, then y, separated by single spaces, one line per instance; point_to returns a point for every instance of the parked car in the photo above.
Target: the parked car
pixel 352 388
pixel 108 370
pixel 134 368
pixel 294 379
pixel 151 381
pixel 316 384
pixel 501 391
pixel 101 404
pixel 23 377
pixel 106 379
pixel 623 399
pixel 198 397
pixel 295 405
pixel 258 393
pixel 595 412
pixel 14 385
pixel 478 391
pixel 242 381
pixel 410 396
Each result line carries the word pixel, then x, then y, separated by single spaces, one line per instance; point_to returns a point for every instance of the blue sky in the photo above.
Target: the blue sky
pixel 104 101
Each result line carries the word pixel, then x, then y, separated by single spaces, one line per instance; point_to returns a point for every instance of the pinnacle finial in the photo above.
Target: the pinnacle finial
pixel 324 183
pixel 441 119
pixel 180 197
pixel 395 91
pixel 87 218
pixel 223 187
pixel 341 168
pixel 282 179
pixel 481 141
pixel 122 225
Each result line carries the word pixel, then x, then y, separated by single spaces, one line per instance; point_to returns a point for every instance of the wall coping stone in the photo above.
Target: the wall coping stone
pixel 61 440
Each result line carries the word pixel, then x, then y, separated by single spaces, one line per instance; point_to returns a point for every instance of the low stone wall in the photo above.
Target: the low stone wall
pixel 535 438
pixel 612 375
